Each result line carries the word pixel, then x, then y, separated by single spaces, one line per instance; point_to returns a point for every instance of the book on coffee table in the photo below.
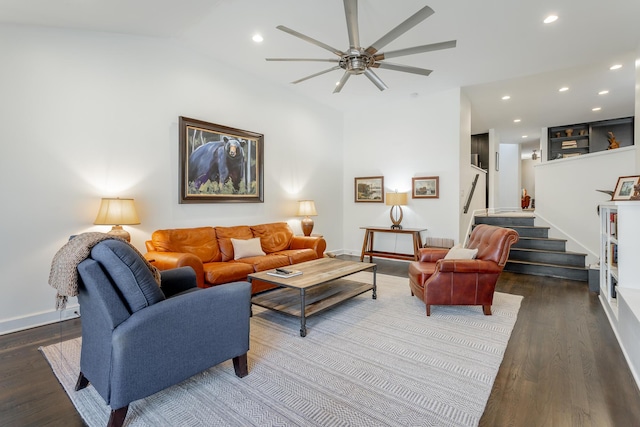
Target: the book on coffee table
pixel 284 273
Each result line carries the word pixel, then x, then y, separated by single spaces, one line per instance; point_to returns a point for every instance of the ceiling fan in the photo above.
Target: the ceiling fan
pixel 357 60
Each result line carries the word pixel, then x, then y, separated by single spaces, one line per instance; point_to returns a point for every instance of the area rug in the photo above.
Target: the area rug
pixel 366 362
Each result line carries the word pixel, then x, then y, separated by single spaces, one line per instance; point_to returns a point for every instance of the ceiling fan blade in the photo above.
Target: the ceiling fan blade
pixel 375 79
pixel 316 74
pixel 415 49
pixel 303 59
pixel 351 12
pixel 309 39
pixel 405 26
pixel 342 81
pixel 403 68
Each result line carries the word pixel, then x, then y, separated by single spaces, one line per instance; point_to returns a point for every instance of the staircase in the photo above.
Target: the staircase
pixel 536 253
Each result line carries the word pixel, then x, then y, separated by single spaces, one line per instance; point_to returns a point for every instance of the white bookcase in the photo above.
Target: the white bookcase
pixel 620 275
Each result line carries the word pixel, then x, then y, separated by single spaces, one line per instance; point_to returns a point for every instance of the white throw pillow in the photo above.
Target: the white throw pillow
pixel 458 252
pixel 246 248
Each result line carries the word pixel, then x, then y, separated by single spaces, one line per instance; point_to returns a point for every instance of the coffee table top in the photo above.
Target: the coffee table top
pixel 314 272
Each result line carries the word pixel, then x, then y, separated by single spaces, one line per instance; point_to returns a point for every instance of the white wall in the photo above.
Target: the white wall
pixel 528 179
pixel 509 176
pixel 91 115
pixel 419 137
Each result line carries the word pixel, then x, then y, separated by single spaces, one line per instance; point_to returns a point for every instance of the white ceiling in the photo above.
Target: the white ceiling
pixel 502 48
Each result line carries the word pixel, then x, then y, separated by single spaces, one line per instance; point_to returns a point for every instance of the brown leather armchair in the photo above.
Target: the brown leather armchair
pixel 438 281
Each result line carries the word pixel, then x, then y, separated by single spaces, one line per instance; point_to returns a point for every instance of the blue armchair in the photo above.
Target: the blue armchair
pixel 138 338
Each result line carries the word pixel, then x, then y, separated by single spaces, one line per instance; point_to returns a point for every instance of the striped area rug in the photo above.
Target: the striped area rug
pixel 363 363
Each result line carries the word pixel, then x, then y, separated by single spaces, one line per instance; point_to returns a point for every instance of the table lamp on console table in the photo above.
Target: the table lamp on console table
pixel 117 212
pixel 396 200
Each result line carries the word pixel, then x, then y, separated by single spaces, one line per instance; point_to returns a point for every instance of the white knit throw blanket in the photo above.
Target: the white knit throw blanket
pixel 64 267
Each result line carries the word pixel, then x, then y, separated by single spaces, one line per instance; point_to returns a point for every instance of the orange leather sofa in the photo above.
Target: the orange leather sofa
pixel 210 252
pixel 439 281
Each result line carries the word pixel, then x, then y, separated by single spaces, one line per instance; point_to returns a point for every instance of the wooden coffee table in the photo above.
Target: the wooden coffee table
pixel 321 285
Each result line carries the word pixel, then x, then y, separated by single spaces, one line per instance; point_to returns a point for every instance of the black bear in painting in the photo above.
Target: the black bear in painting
pixel 217 161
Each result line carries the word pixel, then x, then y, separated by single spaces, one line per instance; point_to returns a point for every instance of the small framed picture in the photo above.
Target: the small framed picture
pixel 369 189
pixel 627 188
pixel 426 187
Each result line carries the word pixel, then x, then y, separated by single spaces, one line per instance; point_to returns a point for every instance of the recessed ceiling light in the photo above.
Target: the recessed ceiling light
pixel 603 92
pixel 596 109
pixel 525 136
pixel 504 98
pixel 563 89
pixel 516 121
pixel 615 67
pixel 257 38
pixel 549 19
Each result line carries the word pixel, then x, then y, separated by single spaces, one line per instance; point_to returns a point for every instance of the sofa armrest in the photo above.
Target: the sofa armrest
pixel 318 244
pixel 467 266
pixel 431 254
pixel 170 260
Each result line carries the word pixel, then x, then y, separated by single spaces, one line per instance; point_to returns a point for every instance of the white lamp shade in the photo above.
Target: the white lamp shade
pixel 117 212
pixel 396 199
pixel 307 208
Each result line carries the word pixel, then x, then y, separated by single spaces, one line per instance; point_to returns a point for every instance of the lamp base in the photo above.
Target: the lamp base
pixel 397 219
pixel 307 226
pixel 118 231
pixel 396 226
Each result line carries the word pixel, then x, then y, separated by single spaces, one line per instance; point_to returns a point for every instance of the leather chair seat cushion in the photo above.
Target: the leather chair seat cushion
pixel 224 272
pixel 200 241
pixel 274 237
pixel 225 234
pixel 297 256
pixel 421 271
pixel 267 262
pixel 129 273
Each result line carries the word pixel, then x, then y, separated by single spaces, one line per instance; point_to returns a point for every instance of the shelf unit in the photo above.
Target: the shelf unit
pixel 620 281
pixel 584 138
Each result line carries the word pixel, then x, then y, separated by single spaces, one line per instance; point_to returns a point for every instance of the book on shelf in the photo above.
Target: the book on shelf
pixel 567 155
pixel 613 224
pixel 284 272
pixel 569 144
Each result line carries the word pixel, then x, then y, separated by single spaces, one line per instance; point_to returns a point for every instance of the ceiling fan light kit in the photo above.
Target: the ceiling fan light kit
pixel 357 60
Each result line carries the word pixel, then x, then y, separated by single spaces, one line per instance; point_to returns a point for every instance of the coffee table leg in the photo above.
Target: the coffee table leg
pixel 303 320
pixel 375 294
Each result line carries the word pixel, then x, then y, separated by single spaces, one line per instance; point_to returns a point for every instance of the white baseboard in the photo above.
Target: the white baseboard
pixel 44 318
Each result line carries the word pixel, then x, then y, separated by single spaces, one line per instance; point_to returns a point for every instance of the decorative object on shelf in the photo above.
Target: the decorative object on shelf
pixel 219 163
pixel 117 212
pixel 427 187
pixel 613 143
pixel 369 189
pixel 582 132
pixel 396 201
pixel 609 192
pixel 569 132
pixel 307 208
pixel 627 188
pixel 558 134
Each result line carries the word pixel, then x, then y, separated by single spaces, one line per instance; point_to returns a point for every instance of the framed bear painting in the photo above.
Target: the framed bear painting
pixel 219 163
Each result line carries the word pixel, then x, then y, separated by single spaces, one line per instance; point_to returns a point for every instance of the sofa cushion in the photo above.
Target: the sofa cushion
pixel 274 236
pixel 298 255
pixel 224 234
pixel 129 273
pixel 246 248
pixel 225 272
pixel 267 262
pixel 199 241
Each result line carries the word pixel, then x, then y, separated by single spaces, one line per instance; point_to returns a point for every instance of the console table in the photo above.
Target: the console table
pixel 367 245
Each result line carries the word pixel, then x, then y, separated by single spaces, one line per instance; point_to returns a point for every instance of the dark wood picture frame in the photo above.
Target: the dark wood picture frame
pixel 219 164
pixel 369 189
pixel 425 187
pixel 627 188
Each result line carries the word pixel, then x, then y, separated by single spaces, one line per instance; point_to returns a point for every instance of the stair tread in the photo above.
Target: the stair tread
pixel 552 239
pixel 534 227
pixel 544 264
pixel 547 251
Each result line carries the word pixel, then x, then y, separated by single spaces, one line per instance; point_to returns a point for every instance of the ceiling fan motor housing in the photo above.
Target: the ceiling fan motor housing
pixel 356 61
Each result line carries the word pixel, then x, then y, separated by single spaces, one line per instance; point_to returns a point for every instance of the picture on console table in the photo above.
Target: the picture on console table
pixel 627 188
pixel 427 187
pixel 219 163
pixel 369 189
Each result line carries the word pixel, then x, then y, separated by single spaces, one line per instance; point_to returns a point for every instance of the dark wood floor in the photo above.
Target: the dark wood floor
pixel 562 367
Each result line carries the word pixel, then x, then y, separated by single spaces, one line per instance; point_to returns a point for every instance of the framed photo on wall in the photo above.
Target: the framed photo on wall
pixel 627 188
pixel 369 189
pixel 219 163
pixel 426 187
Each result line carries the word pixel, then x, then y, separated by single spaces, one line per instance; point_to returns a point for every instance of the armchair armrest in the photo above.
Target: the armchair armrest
pixel 170 260
pixel 177 280
pixel 467 266
pixel 318 244
pixel 431 254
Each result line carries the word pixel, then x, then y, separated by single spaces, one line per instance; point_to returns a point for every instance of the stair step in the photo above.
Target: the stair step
pixel 560 258
pixel 531 231
pixel 548 244
pixel 548 270
pixel 505 221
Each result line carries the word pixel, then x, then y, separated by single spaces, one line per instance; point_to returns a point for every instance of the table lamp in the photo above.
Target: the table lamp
pixel 307 208
pixel 396 200
pixel 117 212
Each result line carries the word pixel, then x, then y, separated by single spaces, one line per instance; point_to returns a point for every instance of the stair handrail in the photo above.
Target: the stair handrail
pixel 486 212
pixel 473 189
